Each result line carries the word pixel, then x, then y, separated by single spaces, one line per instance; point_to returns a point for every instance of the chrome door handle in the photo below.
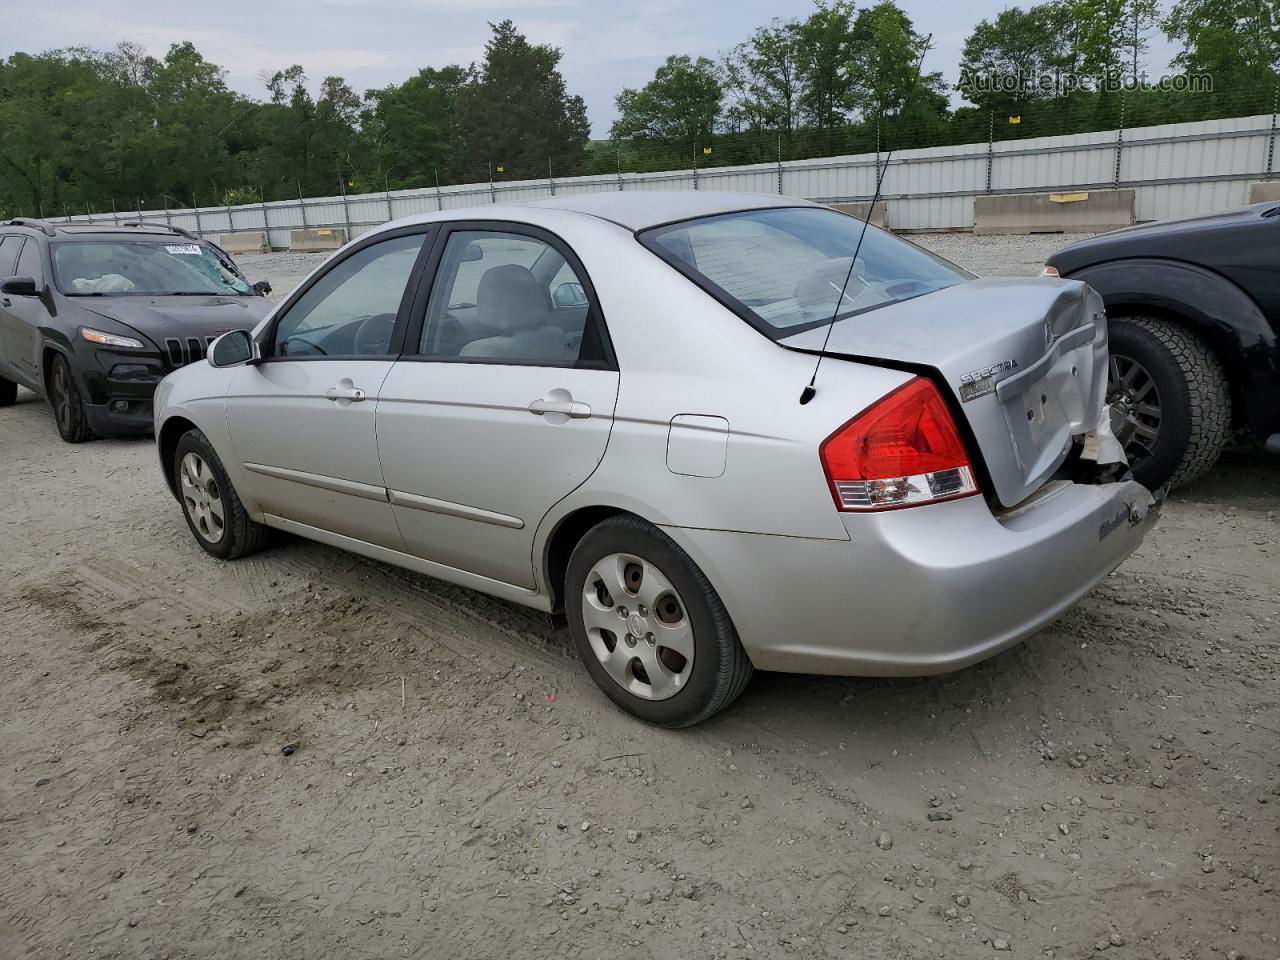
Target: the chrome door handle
pixel 569 408
pixel 354 394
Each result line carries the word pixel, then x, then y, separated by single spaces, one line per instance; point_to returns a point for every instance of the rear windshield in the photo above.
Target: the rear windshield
pixel 174 266
pixel 783 269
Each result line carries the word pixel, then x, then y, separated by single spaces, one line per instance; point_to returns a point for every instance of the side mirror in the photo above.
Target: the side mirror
pixel 232 349
pixel 471 252
pixel 262 288
pixel 19 286
pixel 570 295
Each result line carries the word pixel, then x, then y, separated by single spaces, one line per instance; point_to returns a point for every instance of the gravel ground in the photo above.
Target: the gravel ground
pixel 309 755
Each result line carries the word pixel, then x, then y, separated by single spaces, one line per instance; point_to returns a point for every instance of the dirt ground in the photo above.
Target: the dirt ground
pixel 310 755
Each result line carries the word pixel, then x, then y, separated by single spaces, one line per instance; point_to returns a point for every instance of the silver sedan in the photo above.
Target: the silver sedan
pixel 719 432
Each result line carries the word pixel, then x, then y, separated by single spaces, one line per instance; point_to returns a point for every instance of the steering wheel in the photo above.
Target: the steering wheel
pixel 373 336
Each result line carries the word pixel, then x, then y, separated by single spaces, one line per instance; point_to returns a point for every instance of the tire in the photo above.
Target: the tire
pixel 225 530
pixel 68 407
pixel 8 392
pixel 705 683
pixel 1194 400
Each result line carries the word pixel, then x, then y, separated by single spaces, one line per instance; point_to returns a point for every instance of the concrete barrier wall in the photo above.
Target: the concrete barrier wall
pixel 1083 211
pixel 316 241
pixel 252 241
pixel 1264 191
pixel 879 214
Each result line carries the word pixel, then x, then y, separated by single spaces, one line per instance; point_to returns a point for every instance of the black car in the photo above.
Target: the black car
pixel 93 317
pixel 1193 310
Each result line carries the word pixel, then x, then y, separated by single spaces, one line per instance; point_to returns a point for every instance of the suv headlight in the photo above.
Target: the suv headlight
pixel 1048 271
pixel 110 339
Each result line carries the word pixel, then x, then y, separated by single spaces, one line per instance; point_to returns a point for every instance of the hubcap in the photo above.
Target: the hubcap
pixel 202 498
pixel 638 626
pixel 1135 404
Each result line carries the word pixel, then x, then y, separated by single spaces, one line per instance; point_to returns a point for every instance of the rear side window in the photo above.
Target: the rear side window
pixel 784 270
pixel 29 263
pixel 507 298
pixel 9 256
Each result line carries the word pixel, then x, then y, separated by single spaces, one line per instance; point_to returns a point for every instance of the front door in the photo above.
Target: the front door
pixel 301 420
pixel 22 316
pixel 501 405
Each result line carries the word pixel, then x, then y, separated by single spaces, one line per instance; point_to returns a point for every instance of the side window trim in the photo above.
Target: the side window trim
pixel 418 312
pixel 429 231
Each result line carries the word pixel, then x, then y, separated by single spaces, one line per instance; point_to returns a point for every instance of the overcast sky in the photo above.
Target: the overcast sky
pixel 607 45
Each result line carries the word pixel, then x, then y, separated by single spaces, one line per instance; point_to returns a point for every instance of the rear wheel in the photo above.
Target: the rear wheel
pixel 217 518
pixel 1170 401
pixel 68 408
pixel 650 627
pixel 8 392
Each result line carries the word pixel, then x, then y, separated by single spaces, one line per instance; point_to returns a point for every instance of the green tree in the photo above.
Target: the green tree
pixel 1236 42
pixel 681 104
pixel 515 109
pixel 762 76
pixel 887 54
pixel 412 129
pixel 825 42
pixel 1004 59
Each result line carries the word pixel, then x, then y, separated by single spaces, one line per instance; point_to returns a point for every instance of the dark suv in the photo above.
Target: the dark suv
pixel 93 317
pixel 1193 310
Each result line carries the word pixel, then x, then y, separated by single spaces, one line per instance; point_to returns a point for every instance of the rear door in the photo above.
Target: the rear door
pixel 301 420
pixel 503 402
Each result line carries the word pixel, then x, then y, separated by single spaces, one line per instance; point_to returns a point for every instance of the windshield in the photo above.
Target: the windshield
pixel 783 269
pixel 181 268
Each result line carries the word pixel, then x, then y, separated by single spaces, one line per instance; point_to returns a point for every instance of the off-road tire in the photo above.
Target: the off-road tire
pixel 242 535
pixel 721 667
pixel 1195 398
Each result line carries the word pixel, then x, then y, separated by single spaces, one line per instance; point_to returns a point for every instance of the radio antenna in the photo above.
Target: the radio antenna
pixel 810 389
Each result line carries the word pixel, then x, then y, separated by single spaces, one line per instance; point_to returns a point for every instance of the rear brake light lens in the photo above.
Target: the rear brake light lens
pixel 902 451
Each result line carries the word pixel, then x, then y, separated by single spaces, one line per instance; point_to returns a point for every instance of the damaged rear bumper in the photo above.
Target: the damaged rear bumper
pixel 921 591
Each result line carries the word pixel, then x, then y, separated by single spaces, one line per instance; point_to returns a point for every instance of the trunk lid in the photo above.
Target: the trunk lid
pixel 1025 361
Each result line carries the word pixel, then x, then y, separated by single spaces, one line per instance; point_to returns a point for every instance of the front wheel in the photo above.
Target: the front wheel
pixel 1169 398
pixel 650 627
pixel 213 510
pixel 68 407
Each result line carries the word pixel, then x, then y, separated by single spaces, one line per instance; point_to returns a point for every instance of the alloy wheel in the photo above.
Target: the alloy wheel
pixel 1135 404
pixel 202 498
pixel 638 626
pixel 62 395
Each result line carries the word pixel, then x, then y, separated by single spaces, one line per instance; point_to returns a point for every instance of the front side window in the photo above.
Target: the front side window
pixel 173 266
pixel 784 269
pixel 29 263
pixel 9 247
pixel 351 310
pixel 506 297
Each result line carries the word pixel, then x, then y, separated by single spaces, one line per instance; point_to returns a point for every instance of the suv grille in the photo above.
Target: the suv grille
pixel 180 351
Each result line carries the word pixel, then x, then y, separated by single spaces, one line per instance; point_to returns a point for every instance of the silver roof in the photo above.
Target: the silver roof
pixel 639 209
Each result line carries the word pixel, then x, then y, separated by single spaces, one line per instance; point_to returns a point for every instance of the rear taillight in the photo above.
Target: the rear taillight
pixel 902 451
